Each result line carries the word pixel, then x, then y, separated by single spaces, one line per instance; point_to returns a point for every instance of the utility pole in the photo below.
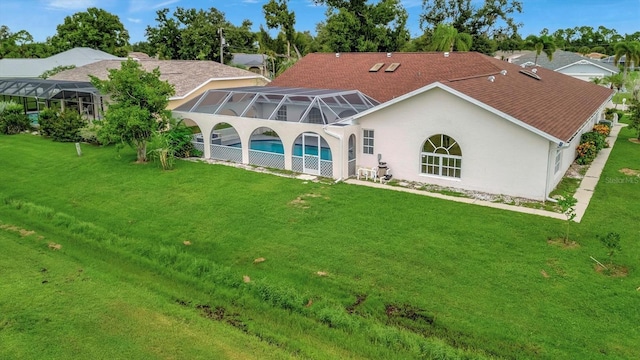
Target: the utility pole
pixel 221 45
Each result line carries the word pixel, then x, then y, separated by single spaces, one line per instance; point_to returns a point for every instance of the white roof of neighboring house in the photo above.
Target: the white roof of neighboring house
pixel 249 59
pixel 186 76
pixel 33 68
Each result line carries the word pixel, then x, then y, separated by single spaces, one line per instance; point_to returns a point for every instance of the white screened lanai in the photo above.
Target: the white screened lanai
pixel 316 106
pixel 284 128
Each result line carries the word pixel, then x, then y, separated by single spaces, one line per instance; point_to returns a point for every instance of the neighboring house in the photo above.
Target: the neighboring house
pixel 462 120
pixel 567 63
pixel 256 63
pixel 189 77
pixel 33 68
pixel 611 60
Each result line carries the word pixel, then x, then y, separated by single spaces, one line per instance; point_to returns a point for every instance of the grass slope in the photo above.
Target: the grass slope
pixel 407 276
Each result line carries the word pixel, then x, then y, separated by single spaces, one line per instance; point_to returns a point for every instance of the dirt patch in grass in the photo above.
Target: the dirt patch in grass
pixel 360 298
pixel 21 231
pixel 54 246
pixel 635 141
pixel 612 270
pixel 301 202
pixel 561 242
pixel 221 314
pixel 408 311
pixel 630 172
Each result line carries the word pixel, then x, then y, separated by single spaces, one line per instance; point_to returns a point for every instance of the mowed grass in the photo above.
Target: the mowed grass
pixel 407 276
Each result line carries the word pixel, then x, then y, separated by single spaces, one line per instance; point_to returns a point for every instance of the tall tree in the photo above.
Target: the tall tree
pixel 21 45
pixel 447 38
pixel 631 52
pixel 138 107
pixel 191 34
pixel 94 28
pixel 543 43
pixel 362 25
pixel 493 19
pixel 277 15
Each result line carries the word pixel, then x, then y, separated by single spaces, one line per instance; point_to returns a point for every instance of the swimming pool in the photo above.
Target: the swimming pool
pixel 275 146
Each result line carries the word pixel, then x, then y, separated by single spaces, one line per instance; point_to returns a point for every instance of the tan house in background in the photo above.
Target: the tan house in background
pixel 190 78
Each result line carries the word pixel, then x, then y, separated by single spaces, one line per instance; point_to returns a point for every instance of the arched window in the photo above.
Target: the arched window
pixel 441 156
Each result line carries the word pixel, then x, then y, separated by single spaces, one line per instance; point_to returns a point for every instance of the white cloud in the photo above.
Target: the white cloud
pixel 137 21
pixel 70 4
pixel 146 5
pixel 250 1
pixel 165 4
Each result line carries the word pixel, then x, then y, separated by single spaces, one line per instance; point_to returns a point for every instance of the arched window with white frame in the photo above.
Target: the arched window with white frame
pixel 441 156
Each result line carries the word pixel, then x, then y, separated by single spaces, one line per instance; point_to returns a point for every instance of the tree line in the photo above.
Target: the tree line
pixel 349 26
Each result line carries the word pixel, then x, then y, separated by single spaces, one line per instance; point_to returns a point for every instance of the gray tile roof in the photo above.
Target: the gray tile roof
pixel 184 75
pixel 560 59
pixel 33 68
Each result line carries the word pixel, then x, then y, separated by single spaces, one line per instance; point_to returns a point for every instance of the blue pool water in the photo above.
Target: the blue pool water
pixel 275 146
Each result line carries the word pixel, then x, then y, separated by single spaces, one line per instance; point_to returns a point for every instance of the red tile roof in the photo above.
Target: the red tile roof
pixel 556 104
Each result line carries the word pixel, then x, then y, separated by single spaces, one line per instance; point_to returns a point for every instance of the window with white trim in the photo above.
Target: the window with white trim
pixel 558 161
pixel 441 156
pixel 367 141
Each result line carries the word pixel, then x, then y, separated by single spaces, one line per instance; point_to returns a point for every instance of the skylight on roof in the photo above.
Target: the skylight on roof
pixel 376 67
pixel 392 67
pixel 530 74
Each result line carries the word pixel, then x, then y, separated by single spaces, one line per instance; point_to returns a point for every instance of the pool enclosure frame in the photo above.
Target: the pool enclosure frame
pixel 317 121
pixel 37 94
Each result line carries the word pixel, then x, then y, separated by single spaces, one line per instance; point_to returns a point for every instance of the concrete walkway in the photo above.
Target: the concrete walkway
pixel 591 178
pixel 583 194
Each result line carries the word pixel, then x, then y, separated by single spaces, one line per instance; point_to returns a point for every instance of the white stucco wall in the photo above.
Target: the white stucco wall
pixel 287 131
pixel 497 156
pixel 569 150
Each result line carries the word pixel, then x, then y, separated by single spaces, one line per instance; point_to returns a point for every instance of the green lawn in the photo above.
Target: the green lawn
pixel 407 276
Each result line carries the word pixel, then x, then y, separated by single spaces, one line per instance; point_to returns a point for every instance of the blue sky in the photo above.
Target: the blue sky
pixel 40 17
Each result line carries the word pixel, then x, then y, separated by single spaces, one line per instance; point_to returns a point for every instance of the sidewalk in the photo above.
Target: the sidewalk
pixel 583 194
pixel 591 178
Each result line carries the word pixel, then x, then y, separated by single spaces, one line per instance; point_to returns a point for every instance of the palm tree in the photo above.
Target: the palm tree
pixel 447 38
pixel 543 43
pixel 631 52
pixel 615 81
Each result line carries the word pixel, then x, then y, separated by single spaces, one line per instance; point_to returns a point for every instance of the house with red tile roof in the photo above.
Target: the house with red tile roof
pixel 461 120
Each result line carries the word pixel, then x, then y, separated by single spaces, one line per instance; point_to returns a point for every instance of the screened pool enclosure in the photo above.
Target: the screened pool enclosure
pixel 298 129
pixel 37 94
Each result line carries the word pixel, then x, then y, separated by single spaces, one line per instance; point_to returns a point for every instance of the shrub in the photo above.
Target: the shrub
pixel 61 126
pixel 586 153
pixel 46 119
pixel 603 129
pixel 89 134
pixel 179 138
pixel 13 120
pixel 599 140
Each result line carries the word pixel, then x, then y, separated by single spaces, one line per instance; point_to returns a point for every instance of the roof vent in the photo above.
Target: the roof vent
pixel 446 54
pixel 388 54
pixel 503 72
pixel 534 70
pixel 492 78
pixel 337 55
